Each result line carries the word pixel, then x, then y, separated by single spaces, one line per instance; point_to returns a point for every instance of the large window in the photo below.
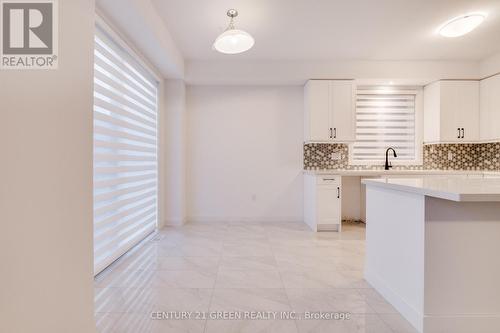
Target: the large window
pixel 387 118
pixel 125 150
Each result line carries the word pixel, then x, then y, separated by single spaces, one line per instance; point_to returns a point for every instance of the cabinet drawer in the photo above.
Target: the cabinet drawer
pixel 328 180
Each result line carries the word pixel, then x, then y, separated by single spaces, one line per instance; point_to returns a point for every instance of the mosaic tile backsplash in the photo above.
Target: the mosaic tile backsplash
pixel 484 156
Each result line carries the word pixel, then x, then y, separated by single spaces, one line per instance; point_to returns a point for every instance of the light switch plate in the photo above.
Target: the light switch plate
pixel 450 156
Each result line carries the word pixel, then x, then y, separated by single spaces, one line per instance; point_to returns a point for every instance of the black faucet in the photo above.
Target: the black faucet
pixel 387 164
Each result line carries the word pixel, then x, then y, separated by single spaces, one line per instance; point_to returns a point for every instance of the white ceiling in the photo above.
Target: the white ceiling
pixel 333 29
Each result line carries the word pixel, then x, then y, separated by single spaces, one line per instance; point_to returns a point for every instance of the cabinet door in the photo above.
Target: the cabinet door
pixel 317 110
pixel 489 110
pixel 343 117
pixel 468 113
pixel 432 112
pixel 328 201
pixel 450 110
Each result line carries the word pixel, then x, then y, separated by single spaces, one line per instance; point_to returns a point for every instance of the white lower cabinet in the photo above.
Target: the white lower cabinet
pixel 322 202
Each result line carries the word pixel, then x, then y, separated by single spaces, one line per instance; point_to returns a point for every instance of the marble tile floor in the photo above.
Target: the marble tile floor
pixel 228 268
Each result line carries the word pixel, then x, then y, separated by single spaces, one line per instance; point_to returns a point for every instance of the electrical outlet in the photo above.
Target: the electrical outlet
pixel 336 156
pixel 450 156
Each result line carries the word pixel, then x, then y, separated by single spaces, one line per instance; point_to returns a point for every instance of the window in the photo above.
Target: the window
pixel 125 150
pixel 387 118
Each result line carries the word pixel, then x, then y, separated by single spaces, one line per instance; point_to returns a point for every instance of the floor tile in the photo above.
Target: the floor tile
pixel 250 300
pixel 143 323
pixel 119 300
pixel 336 300
pixel 356 324
pixel 312 251
pixel 251 326
pixel 192 250
pixel 304 263
pixel 243 267
pixel 248 263
pixel 181 299
pixel 350 279
pixel 106 322
pixel 134 323
pixel 108 300
pixel 376 301
pixel 247 250
pixel 397 323
pixel 208 264
pixel 145 259
pixel 308 279
pixel 178 326
pixel 248 279
pixel 125 279
pixel 183 279
pixel 349 262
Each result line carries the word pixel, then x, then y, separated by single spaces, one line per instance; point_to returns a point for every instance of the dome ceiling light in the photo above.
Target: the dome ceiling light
pixel 233 41
pixel 461 25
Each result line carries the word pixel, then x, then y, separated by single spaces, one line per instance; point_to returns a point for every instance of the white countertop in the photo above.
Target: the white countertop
pixel 383 173
pixel 448 187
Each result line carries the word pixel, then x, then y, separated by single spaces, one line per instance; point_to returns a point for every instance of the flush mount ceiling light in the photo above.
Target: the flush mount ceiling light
pixel 461 25
pixel 233 41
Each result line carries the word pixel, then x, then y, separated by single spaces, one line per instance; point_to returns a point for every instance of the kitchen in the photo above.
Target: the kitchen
pixel 420 218
pixel 445 149
pixel 250 166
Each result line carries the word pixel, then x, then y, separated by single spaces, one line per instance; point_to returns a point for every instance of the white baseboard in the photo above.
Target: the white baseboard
pixel 174 222
pixel 415 317
pixel 228 219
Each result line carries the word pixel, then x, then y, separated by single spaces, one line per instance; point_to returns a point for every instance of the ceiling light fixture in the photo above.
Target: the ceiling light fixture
pixel 233 41
pixel 461 25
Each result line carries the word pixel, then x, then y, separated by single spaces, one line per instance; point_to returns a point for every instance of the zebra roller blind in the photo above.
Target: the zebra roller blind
pixel 384 120
pixel 125 151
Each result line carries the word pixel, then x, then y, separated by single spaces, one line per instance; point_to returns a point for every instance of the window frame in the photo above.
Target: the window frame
pixel 419 112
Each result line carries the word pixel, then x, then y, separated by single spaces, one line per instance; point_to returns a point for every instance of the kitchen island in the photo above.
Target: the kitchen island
pixel 432 248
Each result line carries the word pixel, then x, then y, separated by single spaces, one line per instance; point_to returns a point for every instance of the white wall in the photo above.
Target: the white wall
pixel 174 143
pixel 46 252
pixel 244 153
pixel 490 66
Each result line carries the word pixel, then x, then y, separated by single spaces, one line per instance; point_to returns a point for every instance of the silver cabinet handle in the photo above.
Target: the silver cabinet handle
pixel 463 133
pixel 335 132
pixel 338 192
pixel 459 135
pixel 331 133
pixel 328 179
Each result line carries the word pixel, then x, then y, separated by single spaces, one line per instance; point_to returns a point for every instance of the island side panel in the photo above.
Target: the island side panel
pixel 395 249
pixel 462 268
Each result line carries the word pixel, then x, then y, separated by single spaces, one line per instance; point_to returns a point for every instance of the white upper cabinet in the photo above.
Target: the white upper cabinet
pixel 329 111
pixel 317 110
pixel 343 110
pixel 451 111
pixel 490 108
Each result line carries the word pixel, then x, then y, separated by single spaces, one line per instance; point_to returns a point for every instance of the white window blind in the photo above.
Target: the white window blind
pixel 125 151
pixel 384 120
